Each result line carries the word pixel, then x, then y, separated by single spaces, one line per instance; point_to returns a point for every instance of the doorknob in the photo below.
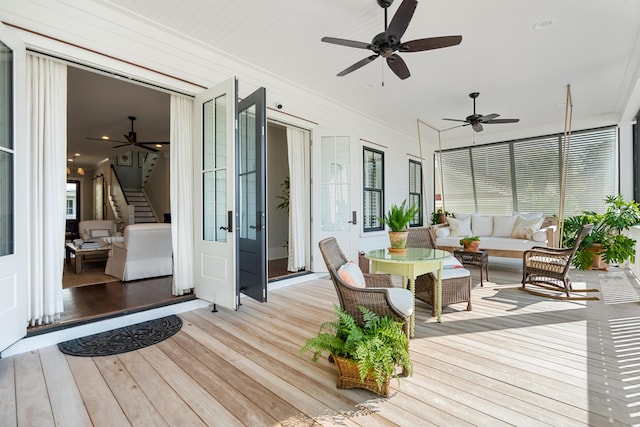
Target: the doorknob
pixel 354 218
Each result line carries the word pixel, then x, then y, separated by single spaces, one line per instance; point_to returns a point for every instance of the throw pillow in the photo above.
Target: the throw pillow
pixel 481 225
pixel 99 233
pixel 525 227
pixel 540 236
pixel 503 225
pixel 460 227
pixel 460 215
pixel 443 232
pixel 352 275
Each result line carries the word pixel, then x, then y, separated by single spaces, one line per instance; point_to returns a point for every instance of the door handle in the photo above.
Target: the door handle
pixel 354 218
pixel 229 226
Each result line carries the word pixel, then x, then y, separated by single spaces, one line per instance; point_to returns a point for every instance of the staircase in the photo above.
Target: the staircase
pixel 142 208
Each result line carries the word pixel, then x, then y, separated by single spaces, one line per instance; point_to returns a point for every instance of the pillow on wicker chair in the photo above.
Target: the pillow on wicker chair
pixel 352 275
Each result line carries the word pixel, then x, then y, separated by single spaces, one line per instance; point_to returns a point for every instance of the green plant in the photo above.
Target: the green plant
pixel 399 217
pixel 614 246
pixel 286 186
pixel 377 348
pixel 467 240
pixel 437 216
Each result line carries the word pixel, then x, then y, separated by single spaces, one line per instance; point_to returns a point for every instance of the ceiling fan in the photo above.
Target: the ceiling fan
pixel 132 139
pixel 388 42
pixel 477 120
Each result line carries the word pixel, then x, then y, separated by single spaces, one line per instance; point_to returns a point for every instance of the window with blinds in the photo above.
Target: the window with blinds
pixel 415 191
pixel 525 175
pixel 373 184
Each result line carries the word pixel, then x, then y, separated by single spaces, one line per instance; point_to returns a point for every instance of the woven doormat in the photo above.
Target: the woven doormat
pixel 122 340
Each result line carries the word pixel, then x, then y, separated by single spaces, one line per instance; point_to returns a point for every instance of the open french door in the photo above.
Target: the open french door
pixel 251 186
pixel 214 199
pixel 336 179
pixel 13 190
pixel 229 216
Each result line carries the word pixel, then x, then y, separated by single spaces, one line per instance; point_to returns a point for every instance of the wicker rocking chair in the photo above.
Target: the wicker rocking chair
pixel 548 268
pixel 379 295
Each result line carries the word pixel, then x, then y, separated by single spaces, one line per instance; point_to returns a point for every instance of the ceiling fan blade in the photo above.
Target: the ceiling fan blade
pixel 398 66
pixel 455 127
pixel 420 45
pixel 477 127
pixel 153 142
pixel 401 19
pixel 456 120
pixel 488 117
pixel 503 121
pixel 155 150
pixel 357 65
pixel 106 140
pixel 122 145
pixel 345 42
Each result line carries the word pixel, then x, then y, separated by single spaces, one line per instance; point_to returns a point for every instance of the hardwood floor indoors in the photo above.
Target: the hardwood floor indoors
pixel 516 359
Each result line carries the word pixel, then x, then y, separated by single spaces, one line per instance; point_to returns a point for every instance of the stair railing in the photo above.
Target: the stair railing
pixel 124 212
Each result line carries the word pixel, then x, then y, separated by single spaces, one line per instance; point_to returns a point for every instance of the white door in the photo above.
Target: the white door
pixel 336 184
pixel 214 183
pixel 13 190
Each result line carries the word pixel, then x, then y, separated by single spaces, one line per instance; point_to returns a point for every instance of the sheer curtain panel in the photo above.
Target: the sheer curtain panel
pixel 181 188
pixel 47 139
pixel 297 144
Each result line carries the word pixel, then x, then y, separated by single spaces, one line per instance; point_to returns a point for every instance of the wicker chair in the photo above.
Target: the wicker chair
pixel 379 295
pixel 548 268
pixel 455 289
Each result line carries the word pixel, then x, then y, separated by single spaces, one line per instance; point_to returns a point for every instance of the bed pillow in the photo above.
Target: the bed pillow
pixel 503 225
pixel 352 275
pixel 526 227
pixel 460 227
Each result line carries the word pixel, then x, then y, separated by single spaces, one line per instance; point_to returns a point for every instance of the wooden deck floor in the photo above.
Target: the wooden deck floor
pixel 516 359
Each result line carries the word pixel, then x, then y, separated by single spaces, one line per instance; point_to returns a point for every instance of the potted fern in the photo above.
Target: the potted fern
pixel 398 218
pixel 366 357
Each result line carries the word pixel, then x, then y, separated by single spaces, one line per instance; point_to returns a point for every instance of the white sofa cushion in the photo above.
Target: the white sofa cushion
pixel 525 227
pixel 481 225
pixel 443 232
pixel 494 243
pixel 460 227
pixel 503 226
pixel 402 299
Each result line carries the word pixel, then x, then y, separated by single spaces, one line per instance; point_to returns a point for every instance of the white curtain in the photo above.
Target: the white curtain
pixel 181 187
pixel 296 147
pixel 47 139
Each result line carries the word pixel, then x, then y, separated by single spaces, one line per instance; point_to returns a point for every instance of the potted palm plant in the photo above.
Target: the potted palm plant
pixel 366 357
pixel 606 244
pixel 398 218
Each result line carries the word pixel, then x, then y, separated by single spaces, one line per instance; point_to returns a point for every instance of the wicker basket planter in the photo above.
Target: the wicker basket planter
pixel 349 377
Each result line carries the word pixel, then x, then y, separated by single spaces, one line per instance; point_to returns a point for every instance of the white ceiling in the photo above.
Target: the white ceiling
pixel 593 45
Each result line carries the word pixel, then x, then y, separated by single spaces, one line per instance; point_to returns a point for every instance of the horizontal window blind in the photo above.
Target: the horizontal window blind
pixel 524 175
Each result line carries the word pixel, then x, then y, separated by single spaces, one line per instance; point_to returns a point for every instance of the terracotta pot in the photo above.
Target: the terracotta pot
pixel 398 240
pixel 472 247
pixel 598 262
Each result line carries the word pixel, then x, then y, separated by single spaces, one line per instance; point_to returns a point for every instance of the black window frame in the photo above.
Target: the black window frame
pixel 370 221
pixel 416 196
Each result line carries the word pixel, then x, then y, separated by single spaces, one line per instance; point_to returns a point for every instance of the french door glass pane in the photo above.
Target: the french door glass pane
pixel 247 174
pixel 335 187
pixel 214 173
pixel 6 151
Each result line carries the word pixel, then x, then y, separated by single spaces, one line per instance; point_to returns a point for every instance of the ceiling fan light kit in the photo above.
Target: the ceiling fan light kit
pixel 477 120
pixel 132 139
pixel 388 42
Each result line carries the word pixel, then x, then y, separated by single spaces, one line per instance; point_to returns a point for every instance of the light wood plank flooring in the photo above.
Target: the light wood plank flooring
pixel 516 359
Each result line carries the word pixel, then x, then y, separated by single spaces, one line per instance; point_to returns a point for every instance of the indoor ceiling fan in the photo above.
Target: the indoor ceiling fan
pixel 388 42
pixel 132 139
pixel 477 120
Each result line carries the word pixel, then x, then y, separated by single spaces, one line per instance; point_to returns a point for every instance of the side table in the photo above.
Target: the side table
pixel 479 258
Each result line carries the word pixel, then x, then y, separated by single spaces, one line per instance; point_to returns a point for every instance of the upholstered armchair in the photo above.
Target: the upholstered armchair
pixel 146 252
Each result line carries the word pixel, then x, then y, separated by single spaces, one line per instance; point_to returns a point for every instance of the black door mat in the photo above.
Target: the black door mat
pixel 122 340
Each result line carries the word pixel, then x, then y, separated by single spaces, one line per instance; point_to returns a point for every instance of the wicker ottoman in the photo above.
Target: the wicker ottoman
pixel 456 287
